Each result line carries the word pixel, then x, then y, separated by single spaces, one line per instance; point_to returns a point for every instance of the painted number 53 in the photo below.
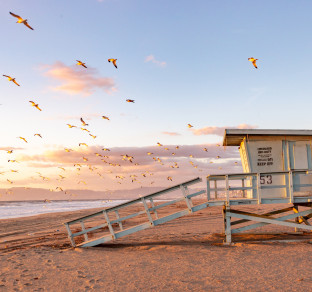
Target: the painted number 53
pixel 266 179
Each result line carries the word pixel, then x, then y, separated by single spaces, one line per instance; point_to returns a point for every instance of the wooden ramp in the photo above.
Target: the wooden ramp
pixel 83 233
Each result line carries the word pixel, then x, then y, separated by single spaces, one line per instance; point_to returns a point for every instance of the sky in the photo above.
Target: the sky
pixel 182 62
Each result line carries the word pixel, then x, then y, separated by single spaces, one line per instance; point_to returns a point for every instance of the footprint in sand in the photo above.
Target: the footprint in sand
pixel 27 284
pixel 81 275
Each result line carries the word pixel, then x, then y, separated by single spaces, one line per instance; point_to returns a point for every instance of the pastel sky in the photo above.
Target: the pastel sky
pixel 183 62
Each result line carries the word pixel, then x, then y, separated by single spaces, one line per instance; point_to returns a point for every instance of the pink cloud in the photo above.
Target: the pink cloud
pixel 148 172
pixel 171 133
pixel 219 131
pixel 152 59
pixel 86 116
pixel 77 80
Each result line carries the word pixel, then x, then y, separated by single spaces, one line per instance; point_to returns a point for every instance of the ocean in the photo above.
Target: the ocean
pixel 30 208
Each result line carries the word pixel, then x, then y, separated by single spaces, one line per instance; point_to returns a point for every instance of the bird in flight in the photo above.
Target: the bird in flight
pixel 23 139
pixel 35 105
pixel 81 63
pixel 84 129
pixel 71 126
pixel 38 135
pixel 113 61
pixel 21 20
pixel 189 126
pixel 205 149
pixel 11 79
pixel 169 178
pixel 130 100
pixel 83 122
pixel 9 151
pixel 93 136
pixel 159 144
pixel 105 118
pixel 68 149
pixel 253 61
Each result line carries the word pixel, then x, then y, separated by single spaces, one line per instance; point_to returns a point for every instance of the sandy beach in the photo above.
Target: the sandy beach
pixel 186 254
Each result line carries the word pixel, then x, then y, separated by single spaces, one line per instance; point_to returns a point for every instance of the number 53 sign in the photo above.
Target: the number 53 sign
pixel 266 179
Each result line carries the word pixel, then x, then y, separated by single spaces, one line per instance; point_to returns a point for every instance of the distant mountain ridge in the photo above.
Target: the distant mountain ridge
pixel 34 194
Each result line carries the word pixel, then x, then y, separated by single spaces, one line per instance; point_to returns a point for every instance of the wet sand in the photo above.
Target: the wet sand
pixel 186 254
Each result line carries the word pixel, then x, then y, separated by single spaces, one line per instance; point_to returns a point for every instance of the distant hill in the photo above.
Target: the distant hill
pixel 34 194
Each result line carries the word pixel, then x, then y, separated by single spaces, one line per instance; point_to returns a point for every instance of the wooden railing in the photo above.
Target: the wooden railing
pixel 250 185
pixel 107 230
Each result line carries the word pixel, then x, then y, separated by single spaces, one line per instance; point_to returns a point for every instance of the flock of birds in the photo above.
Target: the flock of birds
pixel 104 158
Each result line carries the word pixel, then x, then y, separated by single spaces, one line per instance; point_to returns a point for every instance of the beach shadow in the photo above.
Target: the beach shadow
pixel 216 239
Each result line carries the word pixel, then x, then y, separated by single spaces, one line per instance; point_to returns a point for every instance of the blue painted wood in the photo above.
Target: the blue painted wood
pixel 275 221
pixel 282 218
pixel 309 156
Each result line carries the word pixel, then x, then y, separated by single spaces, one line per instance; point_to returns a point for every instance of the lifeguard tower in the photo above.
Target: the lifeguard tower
pixel 277 169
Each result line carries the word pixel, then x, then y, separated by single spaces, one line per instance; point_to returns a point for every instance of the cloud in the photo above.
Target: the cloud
pixel 76 80
pixel 219 131
pixel 171 133
pixel 10 148
pixel 148 172
pixel 86 116
pixel 181 155
pixel 152 59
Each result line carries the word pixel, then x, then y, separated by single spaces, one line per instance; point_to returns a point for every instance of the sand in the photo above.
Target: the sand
pixel 186 254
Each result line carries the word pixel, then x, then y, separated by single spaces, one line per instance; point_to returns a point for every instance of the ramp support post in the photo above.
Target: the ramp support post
pixel 227 224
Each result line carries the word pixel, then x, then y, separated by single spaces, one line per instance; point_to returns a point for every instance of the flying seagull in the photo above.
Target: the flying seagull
pixel 21 20
pixel 23 139
pixel 35 105
pixel 130 100
pixel 253 61
pixel 81 63
pixel 71 126
pixel 11 79
pixel 113 61
pixel 83 122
